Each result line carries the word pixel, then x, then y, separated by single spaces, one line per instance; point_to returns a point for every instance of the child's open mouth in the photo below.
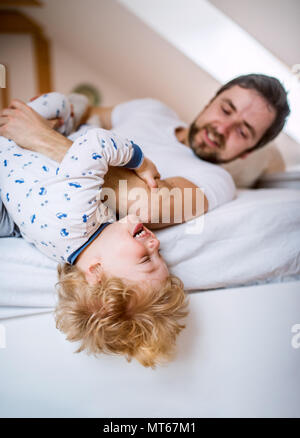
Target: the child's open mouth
pixel 140 231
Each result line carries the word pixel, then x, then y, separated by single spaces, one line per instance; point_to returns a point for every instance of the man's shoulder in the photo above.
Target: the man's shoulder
pixel 147 102
pixel 148 105
pixel 218 183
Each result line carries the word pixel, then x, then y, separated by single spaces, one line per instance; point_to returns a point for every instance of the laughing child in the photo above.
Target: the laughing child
pixel 115 293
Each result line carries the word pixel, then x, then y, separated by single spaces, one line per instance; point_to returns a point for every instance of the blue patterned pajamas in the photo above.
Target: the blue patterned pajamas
pixel 58 207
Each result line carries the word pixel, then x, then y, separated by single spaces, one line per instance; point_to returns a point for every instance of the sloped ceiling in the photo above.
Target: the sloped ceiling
pixel 113 41
pixel 217 44
pixel 274 23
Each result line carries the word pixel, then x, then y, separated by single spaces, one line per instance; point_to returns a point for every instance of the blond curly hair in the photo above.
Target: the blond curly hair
pixel 115 317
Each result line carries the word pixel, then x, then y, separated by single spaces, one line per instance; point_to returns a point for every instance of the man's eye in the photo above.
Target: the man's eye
pixel 225 111
pixel 242 134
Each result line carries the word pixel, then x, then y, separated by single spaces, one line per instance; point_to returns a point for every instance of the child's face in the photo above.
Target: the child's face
pixel 123 253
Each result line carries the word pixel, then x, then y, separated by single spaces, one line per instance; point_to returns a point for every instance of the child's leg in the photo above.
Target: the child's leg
pixel 52 106
pixel 20 171
pixel 49 106
pixel 80 105
pixel 20 167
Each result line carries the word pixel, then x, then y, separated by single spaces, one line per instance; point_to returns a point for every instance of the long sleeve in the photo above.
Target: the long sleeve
pixel 61 209
pixel 75 210
pixel 92 153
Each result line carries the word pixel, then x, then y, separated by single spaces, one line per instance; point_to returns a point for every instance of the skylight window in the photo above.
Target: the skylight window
pixel 217 44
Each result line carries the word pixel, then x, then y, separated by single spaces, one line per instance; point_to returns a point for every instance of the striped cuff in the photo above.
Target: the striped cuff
pixel 137 157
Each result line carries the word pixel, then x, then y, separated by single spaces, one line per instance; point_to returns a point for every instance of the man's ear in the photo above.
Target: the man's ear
pixel 93 274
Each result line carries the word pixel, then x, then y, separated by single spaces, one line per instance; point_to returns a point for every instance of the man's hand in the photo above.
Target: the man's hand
pixel 29 130
pixel 24 126
pixel 148 173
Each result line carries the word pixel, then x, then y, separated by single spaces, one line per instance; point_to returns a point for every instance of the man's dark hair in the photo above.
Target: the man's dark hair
pixel 273 92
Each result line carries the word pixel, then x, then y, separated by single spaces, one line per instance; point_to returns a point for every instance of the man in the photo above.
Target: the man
pixel 244 115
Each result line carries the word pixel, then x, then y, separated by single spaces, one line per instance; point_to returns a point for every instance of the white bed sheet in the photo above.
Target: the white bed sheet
pixel 235 359
pixel 252 240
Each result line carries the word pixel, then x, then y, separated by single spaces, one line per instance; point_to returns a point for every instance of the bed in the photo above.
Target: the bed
pixel 240 265
pixel 234 359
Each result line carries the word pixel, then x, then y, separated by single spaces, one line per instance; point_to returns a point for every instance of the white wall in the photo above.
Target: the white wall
pixel 119 54
pixel 17 55
pixel 68 71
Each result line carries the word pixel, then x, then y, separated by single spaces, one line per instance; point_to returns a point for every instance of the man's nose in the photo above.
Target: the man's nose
pixel 224 128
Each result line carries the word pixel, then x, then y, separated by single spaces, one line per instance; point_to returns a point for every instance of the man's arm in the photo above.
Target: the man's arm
pixel 56 146
pixel 19 118
pixel 169 207
pixel 104 114
pixel 193 201
pixel 183 201
pixel 31 131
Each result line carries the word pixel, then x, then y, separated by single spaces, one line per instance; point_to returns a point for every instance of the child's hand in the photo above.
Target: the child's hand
pixel 148 173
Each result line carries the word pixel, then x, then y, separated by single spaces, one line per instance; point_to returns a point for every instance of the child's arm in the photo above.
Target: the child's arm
pixel 92 153
pixel 80 177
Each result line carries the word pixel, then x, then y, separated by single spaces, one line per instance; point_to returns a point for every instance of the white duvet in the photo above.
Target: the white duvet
pixel 253 239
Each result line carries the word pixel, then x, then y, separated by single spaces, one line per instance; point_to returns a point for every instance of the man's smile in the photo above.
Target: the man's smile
pixel 208 137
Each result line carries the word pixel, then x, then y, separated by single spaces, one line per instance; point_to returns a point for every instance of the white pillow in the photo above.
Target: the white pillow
pixel 251 240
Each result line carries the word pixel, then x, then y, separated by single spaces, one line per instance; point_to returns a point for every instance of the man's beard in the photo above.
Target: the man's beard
pixel 201 149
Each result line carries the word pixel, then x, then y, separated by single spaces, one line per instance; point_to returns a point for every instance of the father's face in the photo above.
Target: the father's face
pixel 230 125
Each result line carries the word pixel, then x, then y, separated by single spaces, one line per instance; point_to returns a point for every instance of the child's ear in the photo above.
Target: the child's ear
pixel 94 273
